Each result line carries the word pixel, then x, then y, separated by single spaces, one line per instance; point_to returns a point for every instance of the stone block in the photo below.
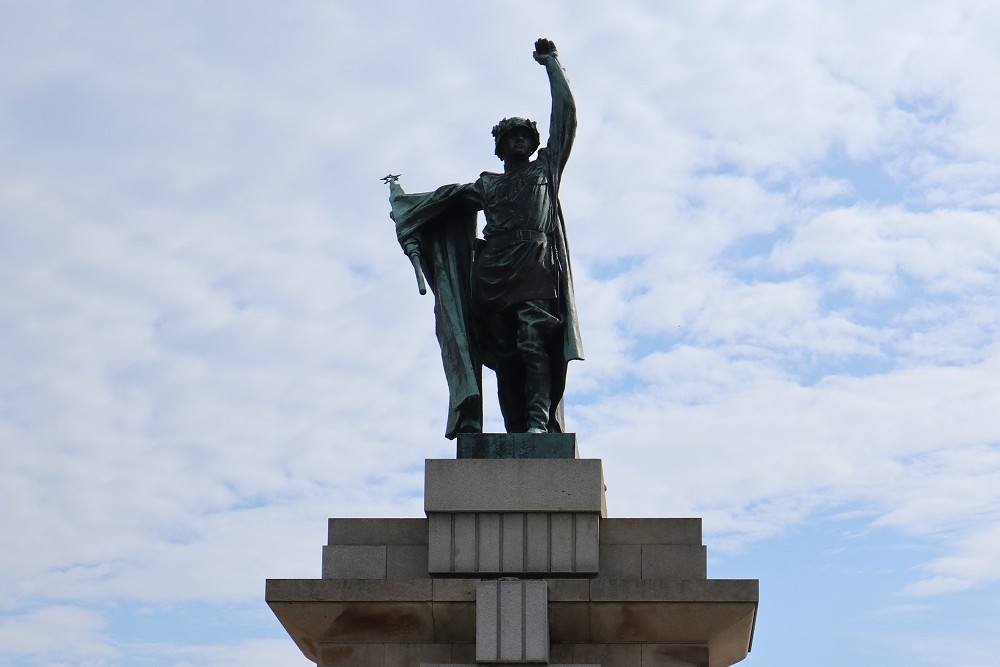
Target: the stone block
pixel 512 538
pixel 464 548
pixel 608 655
pixel 512 624
pixel 569 590
pixel 488 542
pixel 562 543
pixel 651 531
pixel 340 654
pixel 440 546
pixel 674 655
pixel 455 622
pixel 377 531
pixel 569 622
pixel 406 561
pixel 488 621
pixel 537 546
pixel 453 590
pixel 512 621
pixel 354 561
pixel 463 653
pixel 586 533
pixel 620 561
pixel 674 561
pixel 514 485
pixel 417 653
pixel 517 446
pixel 560 654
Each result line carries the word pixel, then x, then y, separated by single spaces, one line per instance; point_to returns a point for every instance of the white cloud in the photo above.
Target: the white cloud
pixel 62 634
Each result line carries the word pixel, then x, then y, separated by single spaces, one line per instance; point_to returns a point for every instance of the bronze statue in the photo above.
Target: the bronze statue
pixel 505 300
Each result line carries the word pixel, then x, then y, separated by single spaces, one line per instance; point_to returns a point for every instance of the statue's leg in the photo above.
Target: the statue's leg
pixel 497 337
pixel 535 324
pixel 510 392
pixel 557 367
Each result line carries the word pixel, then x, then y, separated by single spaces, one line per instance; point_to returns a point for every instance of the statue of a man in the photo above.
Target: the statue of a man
pixel 511 307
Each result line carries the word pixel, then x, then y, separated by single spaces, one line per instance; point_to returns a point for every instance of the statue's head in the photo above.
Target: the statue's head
pixel 508 125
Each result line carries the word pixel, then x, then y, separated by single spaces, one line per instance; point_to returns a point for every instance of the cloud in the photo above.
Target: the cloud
pixel 82 639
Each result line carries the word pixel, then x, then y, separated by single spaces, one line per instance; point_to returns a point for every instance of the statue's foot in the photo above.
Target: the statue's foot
pixel 469 426
pixel 537 429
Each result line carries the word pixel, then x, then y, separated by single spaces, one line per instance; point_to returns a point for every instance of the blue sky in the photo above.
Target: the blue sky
pixel 784 225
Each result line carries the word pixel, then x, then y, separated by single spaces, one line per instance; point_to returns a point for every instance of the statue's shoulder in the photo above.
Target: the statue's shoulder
pixel 541 162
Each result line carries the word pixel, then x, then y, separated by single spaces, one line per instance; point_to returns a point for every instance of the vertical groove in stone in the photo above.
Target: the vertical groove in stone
pixel 499 626
pixel 452 537
pixel 524 541
pixel 572 546
pixel 548 539
pixel 524 622
pixel 500 522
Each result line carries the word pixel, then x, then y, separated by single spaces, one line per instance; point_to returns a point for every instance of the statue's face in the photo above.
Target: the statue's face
pixel 518 144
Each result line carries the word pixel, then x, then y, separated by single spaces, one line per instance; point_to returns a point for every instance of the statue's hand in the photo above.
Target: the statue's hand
pixel 545 50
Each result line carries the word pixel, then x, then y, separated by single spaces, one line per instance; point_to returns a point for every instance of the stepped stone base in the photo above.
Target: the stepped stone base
pixel 517 563
pixel 650 601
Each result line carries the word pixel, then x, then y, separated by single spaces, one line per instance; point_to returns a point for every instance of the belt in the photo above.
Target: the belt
pixel 516 235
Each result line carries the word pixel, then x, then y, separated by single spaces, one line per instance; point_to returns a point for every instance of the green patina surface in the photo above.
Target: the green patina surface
pixel 517 446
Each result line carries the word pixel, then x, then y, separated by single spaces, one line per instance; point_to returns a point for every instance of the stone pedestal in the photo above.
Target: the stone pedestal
pixel 517 562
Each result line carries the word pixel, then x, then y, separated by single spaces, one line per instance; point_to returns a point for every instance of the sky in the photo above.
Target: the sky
pixel 783 221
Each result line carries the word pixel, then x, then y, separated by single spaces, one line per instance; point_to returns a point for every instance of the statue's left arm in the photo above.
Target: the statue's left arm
pixel 562 122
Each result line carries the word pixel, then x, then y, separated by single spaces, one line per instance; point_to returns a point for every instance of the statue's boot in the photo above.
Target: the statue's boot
pixel 539 394
pixel 537 379
pixel 510 391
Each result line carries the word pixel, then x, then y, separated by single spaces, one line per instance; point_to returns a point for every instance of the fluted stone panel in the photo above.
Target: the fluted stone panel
pixel 512 621
pixel 513 543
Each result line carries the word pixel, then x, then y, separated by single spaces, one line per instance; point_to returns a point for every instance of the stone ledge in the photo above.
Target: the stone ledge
pixel 674 590
pixel 377 532
pixel 651 531
pixel 718 613
pixel 348 590
pixel 597 590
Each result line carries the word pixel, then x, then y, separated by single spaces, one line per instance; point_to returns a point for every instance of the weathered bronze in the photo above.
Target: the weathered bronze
pixel 505 300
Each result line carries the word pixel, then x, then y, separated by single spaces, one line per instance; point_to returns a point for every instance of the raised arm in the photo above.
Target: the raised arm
pixel 562 122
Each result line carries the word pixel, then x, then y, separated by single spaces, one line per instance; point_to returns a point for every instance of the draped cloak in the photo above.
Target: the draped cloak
pixel 442 224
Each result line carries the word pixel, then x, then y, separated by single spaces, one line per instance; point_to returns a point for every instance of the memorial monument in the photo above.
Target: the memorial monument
pixel 506 300
pixel 517 560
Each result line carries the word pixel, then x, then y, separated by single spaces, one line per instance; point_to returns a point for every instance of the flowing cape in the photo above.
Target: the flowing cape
pixel 443 225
